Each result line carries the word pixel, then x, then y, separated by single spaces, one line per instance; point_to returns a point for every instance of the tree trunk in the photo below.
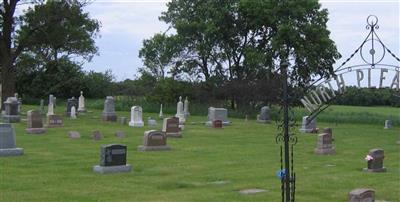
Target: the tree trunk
pixel 7 81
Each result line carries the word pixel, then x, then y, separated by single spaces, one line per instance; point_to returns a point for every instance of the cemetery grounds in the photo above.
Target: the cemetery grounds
pixel 206 164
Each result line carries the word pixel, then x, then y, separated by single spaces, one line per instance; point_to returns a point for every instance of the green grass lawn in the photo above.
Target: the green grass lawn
pixel 245 155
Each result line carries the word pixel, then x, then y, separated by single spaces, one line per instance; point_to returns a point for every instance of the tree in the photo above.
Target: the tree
pixel 49 32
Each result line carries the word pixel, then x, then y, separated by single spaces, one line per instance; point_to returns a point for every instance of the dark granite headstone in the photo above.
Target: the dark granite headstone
pixel 8 142
pixel 362 195
pixel 54 121
pixel 71 102
pixel 112 155
pixel 376 163
pixel 171 127
pixel 154 140
pixel 112 159
pixel 34 122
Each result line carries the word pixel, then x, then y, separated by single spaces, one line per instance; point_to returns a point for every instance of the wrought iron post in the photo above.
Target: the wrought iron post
pixel 287 140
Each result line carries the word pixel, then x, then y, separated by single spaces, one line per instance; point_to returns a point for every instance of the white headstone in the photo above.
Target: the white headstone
pixel 136 117
pixel 388 124
pixel 310 127
pixel 217 114
pixel 50 110
pixel 186 108
pixel 81 104
pixel 179 111
pixel 73 112
pixel 161 115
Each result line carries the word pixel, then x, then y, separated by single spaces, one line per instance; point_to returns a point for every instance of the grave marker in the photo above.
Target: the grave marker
pixel 112 159
pixel 171 127
pixel 8 141
pixel 154 141
pixel 109 110
pixel 34 122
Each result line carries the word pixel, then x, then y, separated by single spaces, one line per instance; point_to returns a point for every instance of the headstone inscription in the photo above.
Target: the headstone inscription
pixel 217 114
pixel 179 111
pixel 8 141
pixel 81 104
pixel 112 159
pixel 11 114
pixel 154 141
pixel 388 124
pixel 34 122
pixel 375 161
pixel 109 110
pixel 310 127
pixel 324 144
pixel 362 195
pixel 171 127
pixel 264 116
pixel 72 102
pixel 136 117
pixel 54 121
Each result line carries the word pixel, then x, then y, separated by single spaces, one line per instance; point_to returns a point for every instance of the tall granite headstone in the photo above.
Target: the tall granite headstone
pixel 34 122
pixel 376 163
pixel 81 104
pixel 171 127
pixel 109 110
pixel 50 110
pixel 136 117
pixel 179 111
pixel 8 141
pixel 154 141
pixel 112 159
pixel 11 114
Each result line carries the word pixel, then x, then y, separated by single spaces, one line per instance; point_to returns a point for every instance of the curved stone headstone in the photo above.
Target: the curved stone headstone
pixel 264 116
pixel 11 114
pixel 109 110
pixel 186 108
pixel 310 127
pixel 154 141
pixel 136 117
pixel 171 127
pixel 8 141
pixel 388 124
pixel 72 102
pixel 362 195
pixel 376 163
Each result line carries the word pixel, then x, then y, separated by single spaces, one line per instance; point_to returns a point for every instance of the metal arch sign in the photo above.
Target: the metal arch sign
pixel 320 93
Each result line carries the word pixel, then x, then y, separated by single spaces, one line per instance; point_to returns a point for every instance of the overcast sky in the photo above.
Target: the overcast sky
pixel 126 23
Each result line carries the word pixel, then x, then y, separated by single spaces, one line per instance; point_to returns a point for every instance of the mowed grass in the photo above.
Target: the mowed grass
pixel 243 155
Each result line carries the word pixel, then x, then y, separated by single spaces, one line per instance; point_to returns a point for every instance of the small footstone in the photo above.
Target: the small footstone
pixel 120 134
pixel 220 182
pixel 74 135
pixel 398 142
pixel 96 135
pixel 251 191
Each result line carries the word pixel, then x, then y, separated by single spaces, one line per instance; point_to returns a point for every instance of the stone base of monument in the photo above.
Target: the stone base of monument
pixel 112 169
pixel 11 118
pixel 11 152
pixel 263 121
pixel 376 170
pixel 54 121
pixel 308 130
pixel 177 135
pixel 35 130
pixel 153 148
pixel 136 124
pixel 225 123
pixel 325 151
pixel 109 117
